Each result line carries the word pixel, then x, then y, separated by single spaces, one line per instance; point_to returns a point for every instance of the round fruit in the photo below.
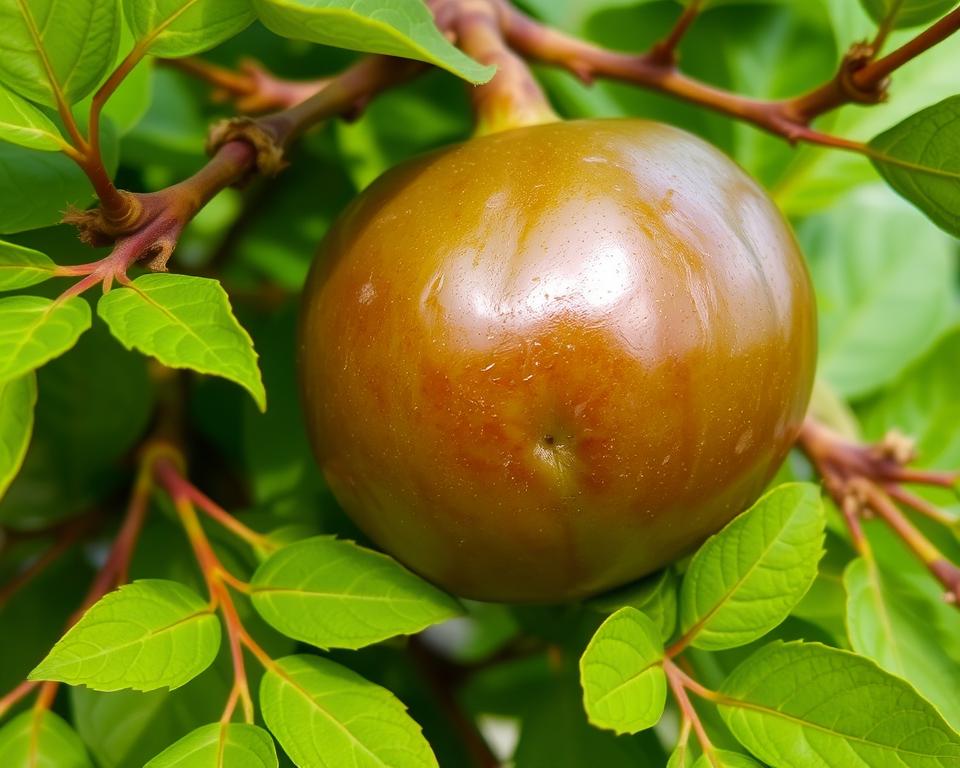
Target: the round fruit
pixel 546 362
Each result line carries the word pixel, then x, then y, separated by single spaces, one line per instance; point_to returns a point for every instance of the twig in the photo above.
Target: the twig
pixel 665 52
pixel 252 89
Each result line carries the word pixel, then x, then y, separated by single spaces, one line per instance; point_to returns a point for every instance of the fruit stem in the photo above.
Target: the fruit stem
pixel 513 98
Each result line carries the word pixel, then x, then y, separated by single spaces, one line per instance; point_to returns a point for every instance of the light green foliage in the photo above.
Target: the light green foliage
pixel 906 13
pixel 924 404
pixel 22 123
pixel 22 267
pixel 47 743
pixel 878 310
pixel 52 50
pixel 176 28
pixel 920 158
pixel 726 759
pixel 220 745
pixel 18 397
pixel 146 635
pixel 334 594
pixel 34 330
pixel 905 626
pixel 324 714
pixel 624 685
pixel 184 322
pixel 395 27
pixel 746 579
pixel 804 705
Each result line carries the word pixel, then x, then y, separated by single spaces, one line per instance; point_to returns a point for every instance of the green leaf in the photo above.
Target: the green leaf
pixel 681 757
pixel 48 743
pixel 37 187
pixel 51 50
pixel 184 27
pixel 920 159
pixel 394 27
pixel 907 13
pixel 16 425
pixel 22 123
pixel 804 705
pixel 655 596
pixel 624 685
pixel 220 745
pixel 22 267
pixel 746 579
pixel 184 322
pixel 323 714
pixel 34 330
pixel 906 632
pixel 884 291
pixel 923 403
pixel 726 759
pixel 146 635
pixel 334 594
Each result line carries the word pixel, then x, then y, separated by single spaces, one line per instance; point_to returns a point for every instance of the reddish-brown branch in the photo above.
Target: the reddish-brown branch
pixel 874 73
pixel 863 480
pixel 665 52
pixel 252 89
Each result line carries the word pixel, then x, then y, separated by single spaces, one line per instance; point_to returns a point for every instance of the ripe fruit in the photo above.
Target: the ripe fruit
pixel 546 362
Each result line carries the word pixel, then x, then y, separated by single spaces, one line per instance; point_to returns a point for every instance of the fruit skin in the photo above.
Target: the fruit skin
pixel 546 362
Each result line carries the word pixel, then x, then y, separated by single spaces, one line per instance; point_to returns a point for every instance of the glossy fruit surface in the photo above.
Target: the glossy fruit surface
pixel 546 362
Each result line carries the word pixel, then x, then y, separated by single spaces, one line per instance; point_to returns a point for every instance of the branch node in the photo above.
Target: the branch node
pixel 98 227
pixel 270 155
pixel 855 59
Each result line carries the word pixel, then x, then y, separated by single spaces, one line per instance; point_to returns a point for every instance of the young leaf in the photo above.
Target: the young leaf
pixel 16 425
pixel 47 742
pixel 920 158
pixel 681 757
pixel 146 635
pixel 805 705
pixel 176 28
pixel 906 13
pixel 655 596
pixel 22 267
pixel 394 27
pixel 334 594
pixel 323 714
pixel 22 123
pixel 746 579
pixel 906 632
pixel 184 322
pixel 51 50
pixel 34 330
pixel 220 745
pixel 624 685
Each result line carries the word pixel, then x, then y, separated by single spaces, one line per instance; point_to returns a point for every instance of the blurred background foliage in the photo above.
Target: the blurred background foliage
pixel 887 289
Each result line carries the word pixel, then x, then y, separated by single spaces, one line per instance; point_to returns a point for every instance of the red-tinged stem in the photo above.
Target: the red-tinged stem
pixel 679 682
pixel 180 485
pixel 921 505
pixel 216 577
pixel 19 693
pixel 945 572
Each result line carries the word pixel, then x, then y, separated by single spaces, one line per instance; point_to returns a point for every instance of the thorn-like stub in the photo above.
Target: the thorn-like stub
pixel 270 160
